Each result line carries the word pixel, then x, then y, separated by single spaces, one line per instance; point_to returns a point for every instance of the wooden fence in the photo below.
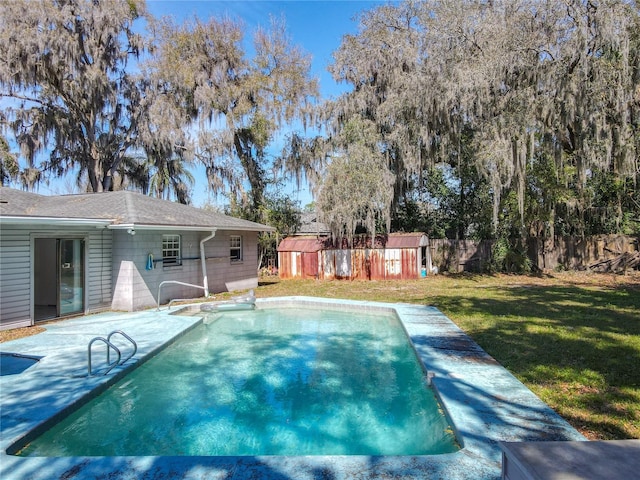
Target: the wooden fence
pixel 566 253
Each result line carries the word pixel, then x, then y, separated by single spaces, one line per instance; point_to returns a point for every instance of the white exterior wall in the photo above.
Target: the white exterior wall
pixel 98 260
pixel 15 277
pixel 136 288
pixel 17 272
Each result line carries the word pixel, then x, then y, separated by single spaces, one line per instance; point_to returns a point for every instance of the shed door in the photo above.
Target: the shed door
pixel 393 263
pixel 310 264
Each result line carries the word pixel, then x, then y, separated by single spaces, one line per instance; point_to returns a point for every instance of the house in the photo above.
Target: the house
pixel 394 256
pixel 77 254
pixel 309 225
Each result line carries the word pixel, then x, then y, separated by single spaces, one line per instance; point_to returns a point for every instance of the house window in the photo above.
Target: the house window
pixel 236 248
pixel 171 250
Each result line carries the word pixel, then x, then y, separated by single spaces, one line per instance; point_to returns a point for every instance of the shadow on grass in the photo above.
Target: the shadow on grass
pixel 576 347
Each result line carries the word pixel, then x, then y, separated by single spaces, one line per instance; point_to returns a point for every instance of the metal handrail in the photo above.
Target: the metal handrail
pixel 109 346
pixel 135 345
pixel 176 283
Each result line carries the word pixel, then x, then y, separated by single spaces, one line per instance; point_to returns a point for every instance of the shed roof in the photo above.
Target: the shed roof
pixel 393 240
pixel 407 240
pixel 119 208
pixel 301 244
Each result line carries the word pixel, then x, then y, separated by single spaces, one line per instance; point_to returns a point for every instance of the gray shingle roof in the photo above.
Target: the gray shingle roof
pixel 309 225
pixel 120 208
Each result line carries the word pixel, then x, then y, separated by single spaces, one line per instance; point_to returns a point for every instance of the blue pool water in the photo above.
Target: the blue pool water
pixel 266 382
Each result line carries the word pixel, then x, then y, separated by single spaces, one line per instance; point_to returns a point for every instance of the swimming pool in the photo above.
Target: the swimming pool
pixel 484 402
pixel 273 381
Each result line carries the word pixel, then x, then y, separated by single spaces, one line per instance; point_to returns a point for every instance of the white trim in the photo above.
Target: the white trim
pixel 169 243
pixel 239 248
pixel 191 228
pixel 98 223
pixel 203 261
pixel 54 221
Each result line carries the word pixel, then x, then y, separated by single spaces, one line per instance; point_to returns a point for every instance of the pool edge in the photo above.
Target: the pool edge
pixel 474 410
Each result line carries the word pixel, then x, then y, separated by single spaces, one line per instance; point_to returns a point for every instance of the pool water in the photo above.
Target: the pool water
pixel 266 382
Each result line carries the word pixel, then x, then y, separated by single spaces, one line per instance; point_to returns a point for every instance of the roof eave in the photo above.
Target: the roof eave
pixel 109 223
pixel 191 228
pixel 263 228
pixel 61 221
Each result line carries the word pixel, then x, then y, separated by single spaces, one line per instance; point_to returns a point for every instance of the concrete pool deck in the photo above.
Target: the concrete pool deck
pixel 485 403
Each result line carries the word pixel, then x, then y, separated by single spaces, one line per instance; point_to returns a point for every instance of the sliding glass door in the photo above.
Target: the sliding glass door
pixel 70 276
pixel 58 277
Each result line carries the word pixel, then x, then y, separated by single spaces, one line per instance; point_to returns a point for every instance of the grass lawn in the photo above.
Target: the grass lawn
pixel 572 338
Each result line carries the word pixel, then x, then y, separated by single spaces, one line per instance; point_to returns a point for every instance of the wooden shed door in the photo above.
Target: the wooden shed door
pixel 310 264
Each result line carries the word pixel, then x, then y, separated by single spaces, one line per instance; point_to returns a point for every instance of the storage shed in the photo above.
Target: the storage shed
pixel 395 256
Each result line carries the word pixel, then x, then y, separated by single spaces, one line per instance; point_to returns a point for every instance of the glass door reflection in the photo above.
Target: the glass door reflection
pixel 71 276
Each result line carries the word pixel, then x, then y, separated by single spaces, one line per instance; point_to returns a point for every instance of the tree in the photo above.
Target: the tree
pixel 64 71
pixel 236 104
pixel 282 213
pixel 9 168
pixel 357 189
pixel 156 175
pixel 521 76
pixel 305 159
pixel 383 64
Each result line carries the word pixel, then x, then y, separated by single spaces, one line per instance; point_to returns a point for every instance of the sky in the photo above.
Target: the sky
pixel 316 26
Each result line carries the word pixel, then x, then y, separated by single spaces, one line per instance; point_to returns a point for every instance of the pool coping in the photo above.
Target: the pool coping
pixel 484 402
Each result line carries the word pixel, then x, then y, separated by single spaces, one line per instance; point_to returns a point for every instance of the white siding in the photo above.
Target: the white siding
pixel 15 277
pixel 16 270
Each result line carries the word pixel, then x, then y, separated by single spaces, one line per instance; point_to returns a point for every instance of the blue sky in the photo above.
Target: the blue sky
pixel 317 26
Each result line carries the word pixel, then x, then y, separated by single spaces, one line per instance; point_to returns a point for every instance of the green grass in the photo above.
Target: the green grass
pixel 573 339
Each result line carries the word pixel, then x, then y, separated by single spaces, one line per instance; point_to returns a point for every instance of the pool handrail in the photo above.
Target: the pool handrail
pixel 109 346
pixel 176 282
pixel 135 346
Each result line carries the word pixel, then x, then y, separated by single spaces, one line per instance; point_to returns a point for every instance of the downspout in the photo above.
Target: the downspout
pixel 205 280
